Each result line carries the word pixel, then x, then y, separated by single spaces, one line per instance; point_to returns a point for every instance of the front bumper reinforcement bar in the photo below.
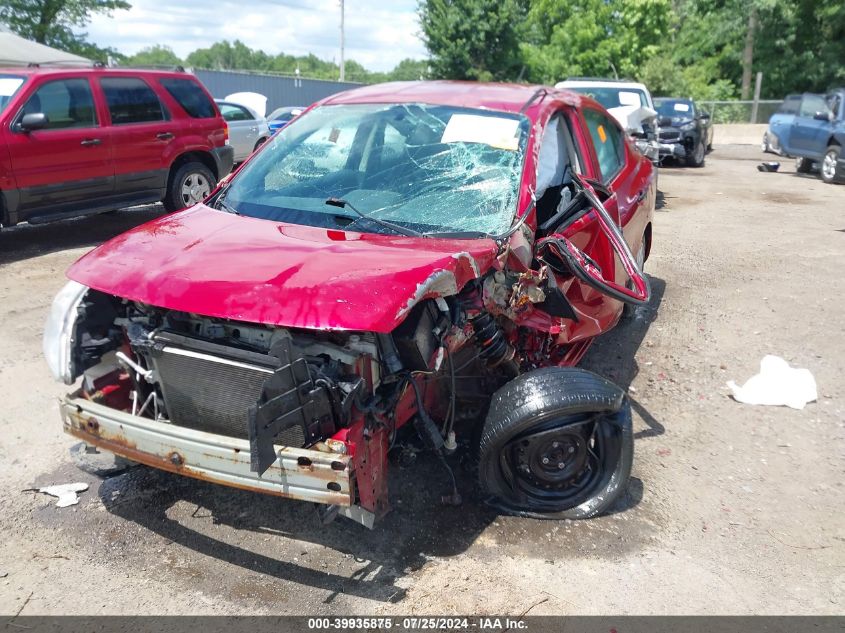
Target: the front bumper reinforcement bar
pixel 297 473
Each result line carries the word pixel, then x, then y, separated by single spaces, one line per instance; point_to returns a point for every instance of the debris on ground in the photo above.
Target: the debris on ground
pixel 768 166
pixel 67 493
pixel 777 384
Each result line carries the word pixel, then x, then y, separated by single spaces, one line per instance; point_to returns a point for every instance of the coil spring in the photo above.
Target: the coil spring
pixel 495 348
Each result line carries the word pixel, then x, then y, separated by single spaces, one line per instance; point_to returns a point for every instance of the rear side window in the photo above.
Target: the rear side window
pixel 232 112
pixel 790 105
pixel 608 143
pixel 66 102
pixel 191 97
pixel 131 100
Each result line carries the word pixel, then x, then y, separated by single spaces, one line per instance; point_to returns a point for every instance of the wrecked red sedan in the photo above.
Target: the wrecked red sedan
pixel 405 267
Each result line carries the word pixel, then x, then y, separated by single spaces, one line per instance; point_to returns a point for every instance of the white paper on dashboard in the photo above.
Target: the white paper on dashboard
pixel 471 128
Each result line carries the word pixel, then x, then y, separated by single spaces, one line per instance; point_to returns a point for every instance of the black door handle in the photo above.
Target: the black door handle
pixel 641 195
pixel 164 136
pixel 91 141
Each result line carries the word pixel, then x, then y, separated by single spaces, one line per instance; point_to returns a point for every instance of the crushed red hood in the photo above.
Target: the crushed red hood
pixel 221 265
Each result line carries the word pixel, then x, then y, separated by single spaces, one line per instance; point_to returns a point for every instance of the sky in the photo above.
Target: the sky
pixel 379 33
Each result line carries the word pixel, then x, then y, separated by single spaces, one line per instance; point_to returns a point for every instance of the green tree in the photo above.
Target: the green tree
pixel 473 39
pixel 601 38
pixel 409 70
pixel 798 45
pixel 53 22
pixel 227 55
pixel 157 55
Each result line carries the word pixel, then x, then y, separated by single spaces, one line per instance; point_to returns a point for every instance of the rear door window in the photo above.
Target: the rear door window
pixel 131 100
pixel 790 105
pixel 66 102
pixel 193 99
pixel 608 143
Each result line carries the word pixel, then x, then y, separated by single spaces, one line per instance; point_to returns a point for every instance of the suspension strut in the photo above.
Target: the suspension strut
pixel 496 351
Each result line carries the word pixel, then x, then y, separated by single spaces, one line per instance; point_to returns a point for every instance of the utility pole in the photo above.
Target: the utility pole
pixel 342 64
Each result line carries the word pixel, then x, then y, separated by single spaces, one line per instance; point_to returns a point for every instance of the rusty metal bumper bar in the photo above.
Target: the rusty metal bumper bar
pixel 307 475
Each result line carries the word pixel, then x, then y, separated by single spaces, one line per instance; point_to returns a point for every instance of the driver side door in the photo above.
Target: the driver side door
pixel 809 135
pixel 623 185
pixel 67 165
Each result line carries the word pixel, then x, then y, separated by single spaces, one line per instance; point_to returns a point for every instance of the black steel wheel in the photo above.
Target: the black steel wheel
pixel 557 444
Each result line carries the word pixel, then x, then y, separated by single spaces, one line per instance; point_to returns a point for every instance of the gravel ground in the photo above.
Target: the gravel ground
pixel 732 509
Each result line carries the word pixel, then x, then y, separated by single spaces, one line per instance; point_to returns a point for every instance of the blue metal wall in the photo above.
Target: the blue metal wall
pixel 280 91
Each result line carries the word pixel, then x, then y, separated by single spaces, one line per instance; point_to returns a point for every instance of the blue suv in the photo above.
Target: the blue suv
pixel 814 134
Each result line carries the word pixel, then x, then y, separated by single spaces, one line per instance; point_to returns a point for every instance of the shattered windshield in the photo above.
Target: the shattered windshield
pixel 422 168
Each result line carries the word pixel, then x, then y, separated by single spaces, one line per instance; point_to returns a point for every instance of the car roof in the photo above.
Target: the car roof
pixel 469 94
pixel 686 99
pixel 61 69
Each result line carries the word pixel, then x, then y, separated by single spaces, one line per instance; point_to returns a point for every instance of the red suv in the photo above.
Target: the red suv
pixel 88 140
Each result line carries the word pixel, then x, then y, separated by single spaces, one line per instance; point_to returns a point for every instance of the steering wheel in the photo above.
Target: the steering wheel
pixel 585 269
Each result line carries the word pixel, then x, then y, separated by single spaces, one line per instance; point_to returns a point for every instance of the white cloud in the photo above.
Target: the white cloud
pixel 378 34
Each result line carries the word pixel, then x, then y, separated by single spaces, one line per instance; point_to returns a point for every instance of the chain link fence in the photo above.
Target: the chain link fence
pixel 740 111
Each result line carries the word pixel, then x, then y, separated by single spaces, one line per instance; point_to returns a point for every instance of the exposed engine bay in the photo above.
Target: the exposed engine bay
pixel 288 387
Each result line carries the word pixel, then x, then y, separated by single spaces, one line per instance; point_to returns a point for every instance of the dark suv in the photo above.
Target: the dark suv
pixel 87 140
pixel 686 132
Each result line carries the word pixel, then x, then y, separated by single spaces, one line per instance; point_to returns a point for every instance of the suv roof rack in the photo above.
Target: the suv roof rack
pixel 67 62
pixel 176 68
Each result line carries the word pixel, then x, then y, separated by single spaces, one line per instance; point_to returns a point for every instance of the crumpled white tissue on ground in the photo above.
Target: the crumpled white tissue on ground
pixel 777 384
pixel 66 493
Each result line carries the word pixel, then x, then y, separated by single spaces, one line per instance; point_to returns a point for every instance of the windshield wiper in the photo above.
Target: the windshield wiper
pixel 220 203
pixel 227 208
pixel 342 204
pixel 459 235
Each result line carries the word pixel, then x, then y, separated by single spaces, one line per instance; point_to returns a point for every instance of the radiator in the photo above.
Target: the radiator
pixel 210 387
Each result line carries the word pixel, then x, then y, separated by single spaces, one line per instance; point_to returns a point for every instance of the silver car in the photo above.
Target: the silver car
pixel 247 130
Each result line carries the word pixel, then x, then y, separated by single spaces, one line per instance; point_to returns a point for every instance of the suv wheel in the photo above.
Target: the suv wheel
pixel 696 159
pixel 831 172
pixel 191 183
pixel 803 165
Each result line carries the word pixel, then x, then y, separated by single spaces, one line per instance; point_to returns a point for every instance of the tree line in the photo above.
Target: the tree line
pixel 707 49
pixel 236 55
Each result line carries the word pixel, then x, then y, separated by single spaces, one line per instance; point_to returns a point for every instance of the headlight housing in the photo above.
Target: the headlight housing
pixel 58 331
pixel 689 126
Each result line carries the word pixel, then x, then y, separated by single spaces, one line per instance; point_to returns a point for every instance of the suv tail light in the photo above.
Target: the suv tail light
pixel 225 133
